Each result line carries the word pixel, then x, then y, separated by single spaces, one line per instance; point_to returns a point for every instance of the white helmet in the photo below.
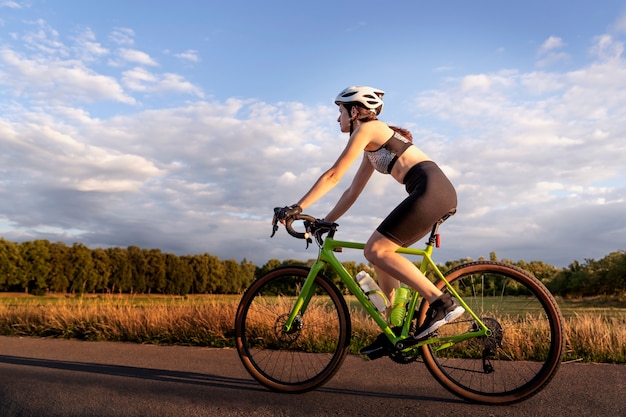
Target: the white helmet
pixel 371 98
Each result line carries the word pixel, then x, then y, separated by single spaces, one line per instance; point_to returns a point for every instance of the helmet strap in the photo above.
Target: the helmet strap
pixel 353 116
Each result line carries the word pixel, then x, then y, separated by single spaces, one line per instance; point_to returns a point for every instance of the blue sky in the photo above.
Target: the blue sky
pixel 179 125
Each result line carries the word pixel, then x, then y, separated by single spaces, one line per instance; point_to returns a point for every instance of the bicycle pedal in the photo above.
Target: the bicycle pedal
pixel 412 341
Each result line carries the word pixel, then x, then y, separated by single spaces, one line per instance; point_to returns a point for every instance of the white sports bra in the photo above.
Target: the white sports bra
pixel 383 158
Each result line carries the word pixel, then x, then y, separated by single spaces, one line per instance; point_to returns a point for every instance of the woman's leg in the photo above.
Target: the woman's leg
pixel 381 252
pixel 388 285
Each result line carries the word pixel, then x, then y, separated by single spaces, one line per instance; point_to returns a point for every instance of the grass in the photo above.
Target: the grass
pixel 201 321
pixel 596 331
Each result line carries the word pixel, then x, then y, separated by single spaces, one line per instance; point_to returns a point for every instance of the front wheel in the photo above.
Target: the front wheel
pixel 307 355
pixel 526 342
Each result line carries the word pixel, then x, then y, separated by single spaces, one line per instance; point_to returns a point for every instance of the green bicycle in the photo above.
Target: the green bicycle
pixel 293 327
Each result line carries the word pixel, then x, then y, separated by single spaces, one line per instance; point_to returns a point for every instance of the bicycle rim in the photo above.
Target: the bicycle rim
pixel 309 355
pixel 526 344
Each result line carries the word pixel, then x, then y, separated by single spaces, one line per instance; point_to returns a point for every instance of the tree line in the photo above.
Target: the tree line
pixel 40 267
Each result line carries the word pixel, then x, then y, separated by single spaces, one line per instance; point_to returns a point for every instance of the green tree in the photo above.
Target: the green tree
pixel 207 270
pixel 36 265
pixel 616 272
pixel 10 266
pixel 60 267
pixel 138 268
pixel 121 273
pixel 216 276
pixel 83 277
pixel 247 275
pixel 570 281
pixel 155 271
pixel 232 274
pixel 607 275
pixel 179 274
pixel 102 268
pixel 269 265
pixel 543 271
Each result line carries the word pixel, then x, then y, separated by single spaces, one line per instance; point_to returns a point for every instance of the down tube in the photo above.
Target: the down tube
pixel 352 285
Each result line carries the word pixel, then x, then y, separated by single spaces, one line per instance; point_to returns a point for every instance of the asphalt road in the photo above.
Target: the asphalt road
pixel 52 377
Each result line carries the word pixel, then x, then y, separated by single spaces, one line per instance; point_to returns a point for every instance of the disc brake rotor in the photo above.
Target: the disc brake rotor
pixel 292 334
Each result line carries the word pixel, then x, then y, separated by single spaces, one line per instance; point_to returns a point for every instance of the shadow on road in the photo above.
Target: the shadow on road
pixel 180 377
pixel 135 372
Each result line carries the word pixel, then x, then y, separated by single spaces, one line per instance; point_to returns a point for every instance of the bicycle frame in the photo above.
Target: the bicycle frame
pixel 327 257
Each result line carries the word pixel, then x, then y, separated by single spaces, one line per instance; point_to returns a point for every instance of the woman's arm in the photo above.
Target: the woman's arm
pixel 349 196
pixel 355 146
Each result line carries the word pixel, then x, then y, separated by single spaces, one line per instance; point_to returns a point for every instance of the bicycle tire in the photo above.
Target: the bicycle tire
pixel 301 360
pixel 526 346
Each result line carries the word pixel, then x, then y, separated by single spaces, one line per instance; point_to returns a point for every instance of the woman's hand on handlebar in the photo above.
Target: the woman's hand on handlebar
pixel 313 227
pixel 284 213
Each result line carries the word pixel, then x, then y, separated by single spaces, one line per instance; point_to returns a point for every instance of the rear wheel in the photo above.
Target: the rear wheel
pixel 524 349
pixel 304 357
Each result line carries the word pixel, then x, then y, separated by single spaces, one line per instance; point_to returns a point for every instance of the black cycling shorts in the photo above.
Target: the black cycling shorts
pixel 431 196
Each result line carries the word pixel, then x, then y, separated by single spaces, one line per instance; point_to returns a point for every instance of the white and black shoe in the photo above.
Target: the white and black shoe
pixel 442 311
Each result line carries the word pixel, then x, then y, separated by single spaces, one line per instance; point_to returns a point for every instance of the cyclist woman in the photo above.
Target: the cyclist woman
pixel 389 150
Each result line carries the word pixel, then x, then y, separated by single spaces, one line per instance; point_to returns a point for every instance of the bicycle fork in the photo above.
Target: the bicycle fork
pixel 302 302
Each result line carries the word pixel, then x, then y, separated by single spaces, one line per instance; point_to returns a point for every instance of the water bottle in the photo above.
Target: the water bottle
pixel 373 291
pixel 396 318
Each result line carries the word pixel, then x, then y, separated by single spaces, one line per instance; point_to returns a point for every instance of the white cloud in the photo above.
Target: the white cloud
pixel 10 4
pixel 45 153
pixel 54 80
pixel 88 48
pixel 123 36
pixel 480 81
pixel 45 39
pixel 605 47
pixel 176 83
pixel 548 54
pixel 136 57
pixel 141 80
pixel 189 55
pixel 520 155
pixel 208 174
pixel 553 42
pixel 138 78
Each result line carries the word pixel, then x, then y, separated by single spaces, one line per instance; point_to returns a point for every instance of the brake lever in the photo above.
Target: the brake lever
pixel 307 226
pixel 274 226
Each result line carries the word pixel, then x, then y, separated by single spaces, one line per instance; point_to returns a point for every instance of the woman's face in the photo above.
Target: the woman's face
pixel 344 119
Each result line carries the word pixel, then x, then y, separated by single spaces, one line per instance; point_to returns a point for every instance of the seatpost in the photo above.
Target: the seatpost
pixel 433 240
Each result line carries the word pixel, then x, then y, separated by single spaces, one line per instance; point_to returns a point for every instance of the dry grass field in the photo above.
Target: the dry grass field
pixel 596 332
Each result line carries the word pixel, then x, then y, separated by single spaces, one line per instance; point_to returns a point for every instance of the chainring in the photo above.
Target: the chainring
pixel 404 358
